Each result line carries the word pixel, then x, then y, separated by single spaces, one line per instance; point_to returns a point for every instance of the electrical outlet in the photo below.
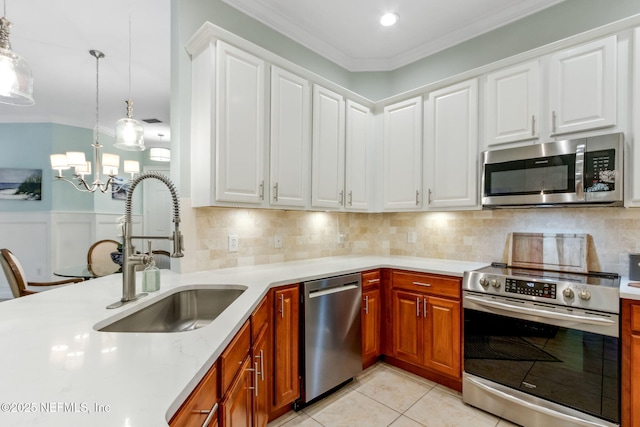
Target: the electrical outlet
pixel 340 238
pixel 233 243
pixel 278 241
pixel 411 237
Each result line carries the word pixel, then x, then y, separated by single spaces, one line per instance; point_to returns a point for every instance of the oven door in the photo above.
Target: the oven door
pixel 541 369
pixel 536 174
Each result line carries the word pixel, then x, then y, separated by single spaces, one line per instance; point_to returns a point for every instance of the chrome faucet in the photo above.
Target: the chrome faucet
pixel 130 260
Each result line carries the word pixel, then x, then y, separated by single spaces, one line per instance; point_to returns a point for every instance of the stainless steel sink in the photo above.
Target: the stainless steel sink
pixel 178 312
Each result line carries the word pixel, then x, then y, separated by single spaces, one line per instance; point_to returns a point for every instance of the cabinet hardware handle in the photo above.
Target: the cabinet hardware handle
pixel 553 121
pixel 350 198
pixel 428 285
pixel 211 412
pixel 418 307
pixel 429 197
pixel 261 370
pixel 424 310
pixel 275 192
pixel 262 365
pixel 417 197
pixel 366 304
pixel 262 190
pixel 341 198
pixel 282 306
pixel 533 125
pixel 255 378
pixel 373 280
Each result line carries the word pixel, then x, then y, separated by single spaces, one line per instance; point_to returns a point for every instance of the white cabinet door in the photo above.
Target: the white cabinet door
pixel 632 157
pixel 358 153
pixel 582 84
pixel 452 147
pixel 290 139
pixel 327 171
pixel 402 155
pixel 240 118
pixel 512 103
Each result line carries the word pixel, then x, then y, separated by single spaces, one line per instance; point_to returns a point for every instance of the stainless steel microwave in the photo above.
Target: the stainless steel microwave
pixel 569 173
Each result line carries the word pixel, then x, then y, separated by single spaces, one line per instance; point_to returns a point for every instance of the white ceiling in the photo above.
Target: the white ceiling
pixel 55 36
pixel 348 33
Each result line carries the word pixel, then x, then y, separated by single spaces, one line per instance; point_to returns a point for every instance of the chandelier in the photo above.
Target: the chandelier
pixel 108 163
pixel 16 80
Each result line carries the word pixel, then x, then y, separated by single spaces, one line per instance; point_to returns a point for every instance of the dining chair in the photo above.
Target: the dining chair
pixel 162 258
pixel 99 257
pixel 17 279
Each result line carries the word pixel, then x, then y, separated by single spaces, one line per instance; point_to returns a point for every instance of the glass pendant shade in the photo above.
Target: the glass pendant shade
pixel 129 132
pixel 160 154
pixel 16 80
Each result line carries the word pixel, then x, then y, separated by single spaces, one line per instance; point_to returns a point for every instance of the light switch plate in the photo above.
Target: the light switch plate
pixel 278 241
pixel 411 237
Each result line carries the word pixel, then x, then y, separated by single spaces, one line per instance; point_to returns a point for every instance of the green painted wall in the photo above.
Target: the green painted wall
pixel 28 145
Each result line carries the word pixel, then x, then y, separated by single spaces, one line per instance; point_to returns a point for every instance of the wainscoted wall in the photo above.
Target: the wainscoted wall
pixel 470 236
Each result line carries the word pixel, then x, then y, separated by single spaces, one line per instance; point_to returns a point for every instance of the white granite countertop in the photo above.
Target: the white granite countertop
pixel 628 290
pixel 57 370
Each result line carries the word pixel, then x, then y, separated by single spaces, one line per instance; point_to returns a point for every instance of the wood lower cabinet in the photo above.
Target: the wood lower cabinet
pixel 236 379
pixel 237 404
pixel 425 317
pixel 286 373
pixel 630 363
pixel 262 357
pixel 371 318
pixel 201 405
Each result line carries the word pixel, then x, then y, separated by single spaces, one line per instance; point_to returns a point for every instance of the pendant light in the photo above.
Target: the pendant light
pixel 129 131
pixel 107 164
pixel 16 80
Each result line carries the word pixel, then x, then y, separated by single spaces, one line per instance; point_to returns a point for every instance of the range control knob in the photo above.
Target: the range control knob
pixel 584 294
pixel 495 283
pixel 568 293
pixel 484 282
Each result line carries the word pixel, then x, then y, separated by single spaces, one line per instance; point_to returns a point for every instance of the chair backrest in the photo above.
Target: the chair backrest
pixel 162 259
pixel 14 272
pixel 99 257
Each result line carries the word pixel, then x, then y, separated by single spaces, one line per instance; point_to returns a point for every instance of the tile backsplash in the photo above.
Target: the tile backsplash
pixel 462 235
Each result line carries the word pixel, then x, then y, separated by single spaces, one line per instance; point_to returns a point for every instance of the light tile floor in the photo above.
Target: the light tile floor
pixel 386 396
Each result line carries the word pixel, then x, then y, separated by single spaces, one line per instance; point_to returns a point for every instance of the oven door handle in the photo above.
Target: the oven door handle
pixel 539 312
pixel 537 408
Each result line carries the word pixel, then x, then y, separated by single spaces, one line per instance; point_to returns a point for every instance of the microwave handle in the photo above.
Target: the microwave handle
pixel 580 158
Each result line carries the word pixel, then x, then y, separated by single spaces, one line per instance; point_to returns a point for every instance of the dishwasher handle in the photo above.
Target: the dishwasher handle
pixel 329 291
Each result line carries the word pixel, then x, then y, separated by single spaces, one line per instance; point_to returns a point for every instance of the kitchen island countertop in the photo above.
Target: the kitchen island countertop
pixel 58 370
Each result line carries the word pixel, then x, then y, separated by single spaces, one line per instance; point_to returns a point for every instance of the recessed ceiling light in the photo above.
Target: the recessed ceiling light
pixel 389 19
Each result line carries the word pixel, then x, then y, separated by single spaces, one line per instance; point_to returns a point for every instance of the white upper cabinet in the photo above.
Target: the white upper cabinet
pixel 402 155
pixel 359 122
pixel 582 87
pixel 512 104
pixel 240 130
pixel 290 159
pixel 327 170
pixel 451 147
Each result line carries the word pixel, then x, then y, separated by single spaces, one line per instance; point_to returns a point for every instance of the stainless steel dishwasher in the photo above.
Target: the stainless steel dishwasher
pixel 332 337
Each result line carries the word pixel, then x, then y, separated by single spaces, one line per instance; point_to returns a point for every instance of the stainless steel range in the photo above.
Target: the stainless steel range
pixel 541 348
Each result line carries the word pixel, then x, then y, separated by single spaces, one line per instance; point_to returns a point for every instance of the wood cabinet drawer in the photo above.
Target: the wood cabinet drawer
pixel 202 400
pixel 260 317
pixel 635 317
pixel 371 279
pixel 446 286
pixel 233 356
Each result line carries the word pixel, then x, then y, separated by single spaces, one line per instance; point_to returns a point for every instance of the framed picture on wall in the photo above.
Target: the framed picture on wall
pixel 20 184
pixel 119 189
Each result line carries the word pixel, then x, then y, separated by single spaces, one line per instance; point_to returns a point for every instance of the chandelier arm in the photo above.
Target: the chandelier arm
pixel 81 185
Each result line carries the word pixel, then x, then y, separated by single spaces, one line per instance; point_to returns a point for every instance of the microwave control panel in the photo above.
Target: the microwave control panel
pixel 599 171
